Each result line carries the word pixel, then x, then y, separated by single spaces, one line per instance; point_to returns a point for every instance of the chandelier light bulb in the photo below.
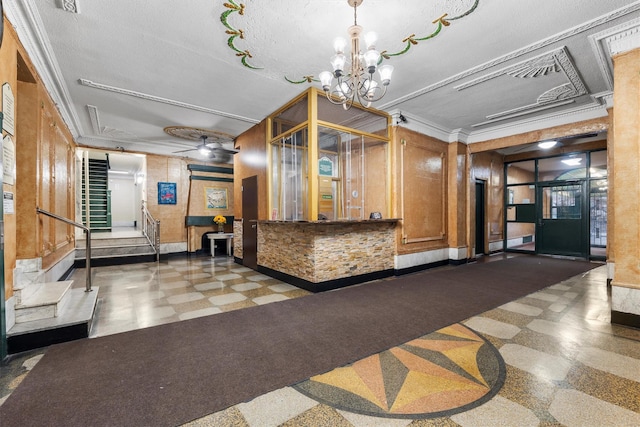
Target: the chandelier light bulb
pixel 339 45
pixel 356 80
pixel 370 40
pixel 385 72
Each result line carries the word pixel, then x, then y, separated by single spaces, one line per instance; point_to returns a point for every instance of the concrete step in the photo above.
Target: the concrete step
pixel 115 251
pixel 45 303
pixel 97 241
pixel 73 321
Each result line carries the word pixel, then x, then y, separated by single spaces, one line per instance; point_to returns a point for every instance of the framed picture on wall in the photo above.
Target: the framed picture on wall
pixel 215 198
pixel 167 193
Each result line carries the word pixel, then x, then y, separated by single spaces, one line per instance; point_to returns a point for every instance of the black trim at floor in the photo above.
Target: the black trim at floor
pixel 625 319
pixel 45 338
pixel 326 285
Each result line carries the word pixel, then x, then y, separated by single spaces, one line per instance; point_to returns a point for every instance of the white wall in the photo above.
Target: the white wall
pixel 125 200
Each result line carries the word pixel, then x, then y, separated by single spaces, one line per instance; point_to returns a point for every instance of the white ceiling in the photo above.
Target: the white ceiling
pixel 121 70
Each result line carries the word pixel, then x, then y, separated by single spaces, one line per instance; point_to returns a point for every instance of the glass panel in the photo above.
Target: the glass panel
pixel 562 202
pixel 598 164
pixel 521 236
pixel 521 172
pixel 598 199
pixel 355 118
pixel 289 180
pixel 290 118
pixel 562 168
pixel 521 194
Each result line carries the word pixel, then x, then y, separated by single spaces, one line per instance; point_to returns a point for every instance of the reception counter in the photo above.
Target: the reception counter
pixel 323 255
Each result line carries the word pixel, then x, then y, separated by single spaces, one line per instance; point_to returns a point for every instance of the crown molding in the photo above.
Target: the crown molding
pixel 635 6
pixel 148 97
pixel 614 40
pixel 594 110
pixel 26 20
pixel 420 125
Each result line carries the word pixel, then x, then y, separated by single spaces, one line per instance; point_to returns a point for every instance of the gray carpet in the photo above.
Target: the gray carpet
pixel 170 374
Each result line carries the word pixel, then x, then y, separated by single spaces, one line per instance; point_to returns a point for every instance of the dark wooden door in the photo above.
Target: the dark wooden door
pixel 480 217
pixel 249 222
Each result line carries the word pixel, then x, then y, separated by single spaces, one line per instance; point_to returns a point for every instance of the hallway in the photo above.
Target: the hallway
pixel 565 363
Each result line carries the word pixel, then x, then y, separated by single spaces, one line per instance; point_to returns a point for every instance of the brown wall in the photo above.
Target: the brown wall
pixel 421 186
pixel 44 167
pixel 250 161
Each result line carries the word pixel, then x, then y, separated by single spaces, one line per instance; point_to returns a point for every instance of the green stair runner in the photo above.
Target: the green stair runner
pixel 99 196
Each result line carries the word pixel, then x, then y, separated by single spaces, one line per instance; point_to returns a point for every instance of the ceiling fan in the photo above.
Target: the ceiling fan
pixel 210 146
pixel 211 150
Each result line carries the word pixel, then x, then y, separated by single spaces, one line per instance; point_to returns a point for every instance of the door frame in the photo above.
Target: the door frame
pixel 249 222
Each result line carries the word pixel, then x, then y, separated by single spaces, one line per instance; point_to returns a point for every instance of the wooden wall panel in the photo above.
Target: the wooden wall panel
pixel 422 187
pixel 250 161
pixel 375 199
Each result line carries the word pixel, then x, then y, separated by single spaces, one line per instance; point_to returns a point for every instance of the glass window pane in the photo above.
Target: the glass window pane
pixel 289 180
pixel 521 172
pixel 562 168
pixel 598 201
pixel 562 202
pixel 598 164
pixel 521 194
pixel 290 118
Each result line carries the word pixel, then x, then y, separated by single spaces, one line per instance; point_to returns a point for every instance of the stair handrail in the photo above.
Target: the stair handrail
pixel 151 229
pixel 87 237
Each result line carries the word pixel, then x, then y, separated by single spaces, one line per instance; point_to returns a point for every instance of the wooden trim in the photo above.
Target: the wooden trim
pixel 212 169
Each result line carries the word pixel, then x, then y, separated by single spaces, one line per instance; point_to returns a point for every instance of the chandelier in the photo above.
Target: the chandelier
pixel 357 82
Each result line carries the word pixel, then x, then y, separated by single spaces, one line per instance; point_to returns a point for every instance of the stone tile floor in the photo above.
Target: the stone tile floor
pixel 565 363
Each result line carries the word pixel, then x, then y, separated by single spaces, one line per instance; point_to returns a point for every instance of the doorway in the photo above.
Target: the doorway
pixel 249 222
pixel 480 217
pixel 562 222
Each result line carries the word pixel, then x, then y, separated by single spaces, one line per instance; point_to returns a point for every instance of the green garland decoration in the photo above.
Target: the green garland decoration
pixel 245 55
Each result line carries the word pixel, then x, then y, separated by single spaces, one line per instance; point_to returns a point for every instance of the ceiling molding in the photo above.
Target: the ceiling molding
pixel 94 118
pixel 148 97
pixel 420 125
pixel 25 18
pixel 520 52
pixel 581 113
pixel 68 5
pixel 607 43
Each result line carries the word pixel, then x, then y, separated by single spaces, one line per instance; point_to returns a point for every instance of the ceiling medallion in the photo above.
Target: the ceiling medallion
pixel 196 134
pixel 246 57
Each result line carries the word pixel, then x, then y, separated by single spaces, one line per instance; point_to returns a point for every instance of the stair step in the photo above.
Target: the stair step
pixel 43 304
pixel 73 322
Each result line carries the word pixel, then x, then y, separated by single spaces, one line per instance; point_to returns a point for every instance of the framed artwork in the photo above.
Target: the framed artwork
pixel 215 198
pixel 167 193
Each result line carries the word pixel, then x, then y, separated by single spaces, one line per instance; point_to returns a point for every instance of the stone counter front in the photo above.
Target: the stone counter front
pixel 327 254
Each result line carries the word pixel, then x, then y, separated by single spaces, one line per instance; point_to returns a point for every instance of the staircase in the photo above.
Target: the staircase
pixel 48 312
pixel 117 247
pixel 99 196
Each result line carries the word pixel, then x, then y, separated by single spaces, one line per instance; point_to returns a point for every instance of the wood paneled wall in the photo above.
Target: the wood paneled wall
pixel 421 187
pixel 250 161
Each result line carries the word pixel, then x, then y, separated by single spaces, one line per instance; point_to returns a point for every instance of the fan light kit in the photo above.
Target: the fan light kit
pixel 211 142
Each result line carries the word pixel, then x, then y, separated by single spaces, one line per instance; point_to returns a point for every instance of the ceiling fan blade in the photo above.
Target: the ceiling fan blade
pixel 224 150
pixel 184 151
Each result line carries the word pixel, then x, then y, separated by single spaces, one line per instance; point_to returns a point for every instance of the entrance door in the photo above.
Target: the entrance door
pixel 562 220
pixel 480 217
pixel 249 222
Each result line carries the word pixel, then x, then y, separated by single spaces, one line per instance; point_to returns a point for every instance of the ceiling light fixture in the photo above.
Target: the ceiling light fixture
pixel 357 82
pixel 547 144
pixel 574 161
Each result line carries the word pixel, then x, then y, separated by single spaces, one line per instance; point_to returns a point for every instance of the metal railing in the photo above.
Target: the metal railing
pixel 88 242
pixel 151 230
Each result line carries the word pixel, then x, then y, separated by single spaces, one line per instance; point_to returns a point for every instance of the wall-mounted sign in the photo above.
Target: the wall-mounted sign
pixel 7 203
pixel 8 160
pixel 8 109
pixel 325 166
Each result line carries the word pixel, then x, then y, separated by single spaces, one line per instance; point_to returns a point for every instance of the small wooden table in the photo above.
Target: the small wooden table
pixel 219 236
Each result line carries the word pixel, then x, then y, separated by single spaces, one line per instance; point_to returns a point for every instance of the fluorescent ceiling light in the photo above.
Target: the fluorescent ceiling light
pixel 119 172
pixel 572 162
pixel 547 144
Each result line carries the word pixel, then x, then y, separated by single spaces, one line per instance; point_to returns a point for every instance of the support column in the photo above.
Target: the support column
pixel 625 180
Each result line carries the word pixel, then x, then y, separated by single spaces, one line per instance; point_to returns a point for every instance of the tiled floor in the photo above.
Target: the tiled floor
pixel 563 362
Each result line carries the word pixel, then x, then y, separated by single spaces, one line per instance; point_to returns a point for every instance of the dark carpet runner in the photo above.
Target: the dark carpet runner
pixel 170 374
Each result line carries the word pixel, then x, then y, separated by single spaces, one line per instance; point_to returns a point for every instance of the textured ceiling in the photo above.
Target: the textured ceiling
pixel 122 71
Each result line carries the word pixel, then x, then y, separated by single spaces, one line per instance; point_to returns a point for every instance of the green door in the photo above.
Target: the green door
pixel 562 220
